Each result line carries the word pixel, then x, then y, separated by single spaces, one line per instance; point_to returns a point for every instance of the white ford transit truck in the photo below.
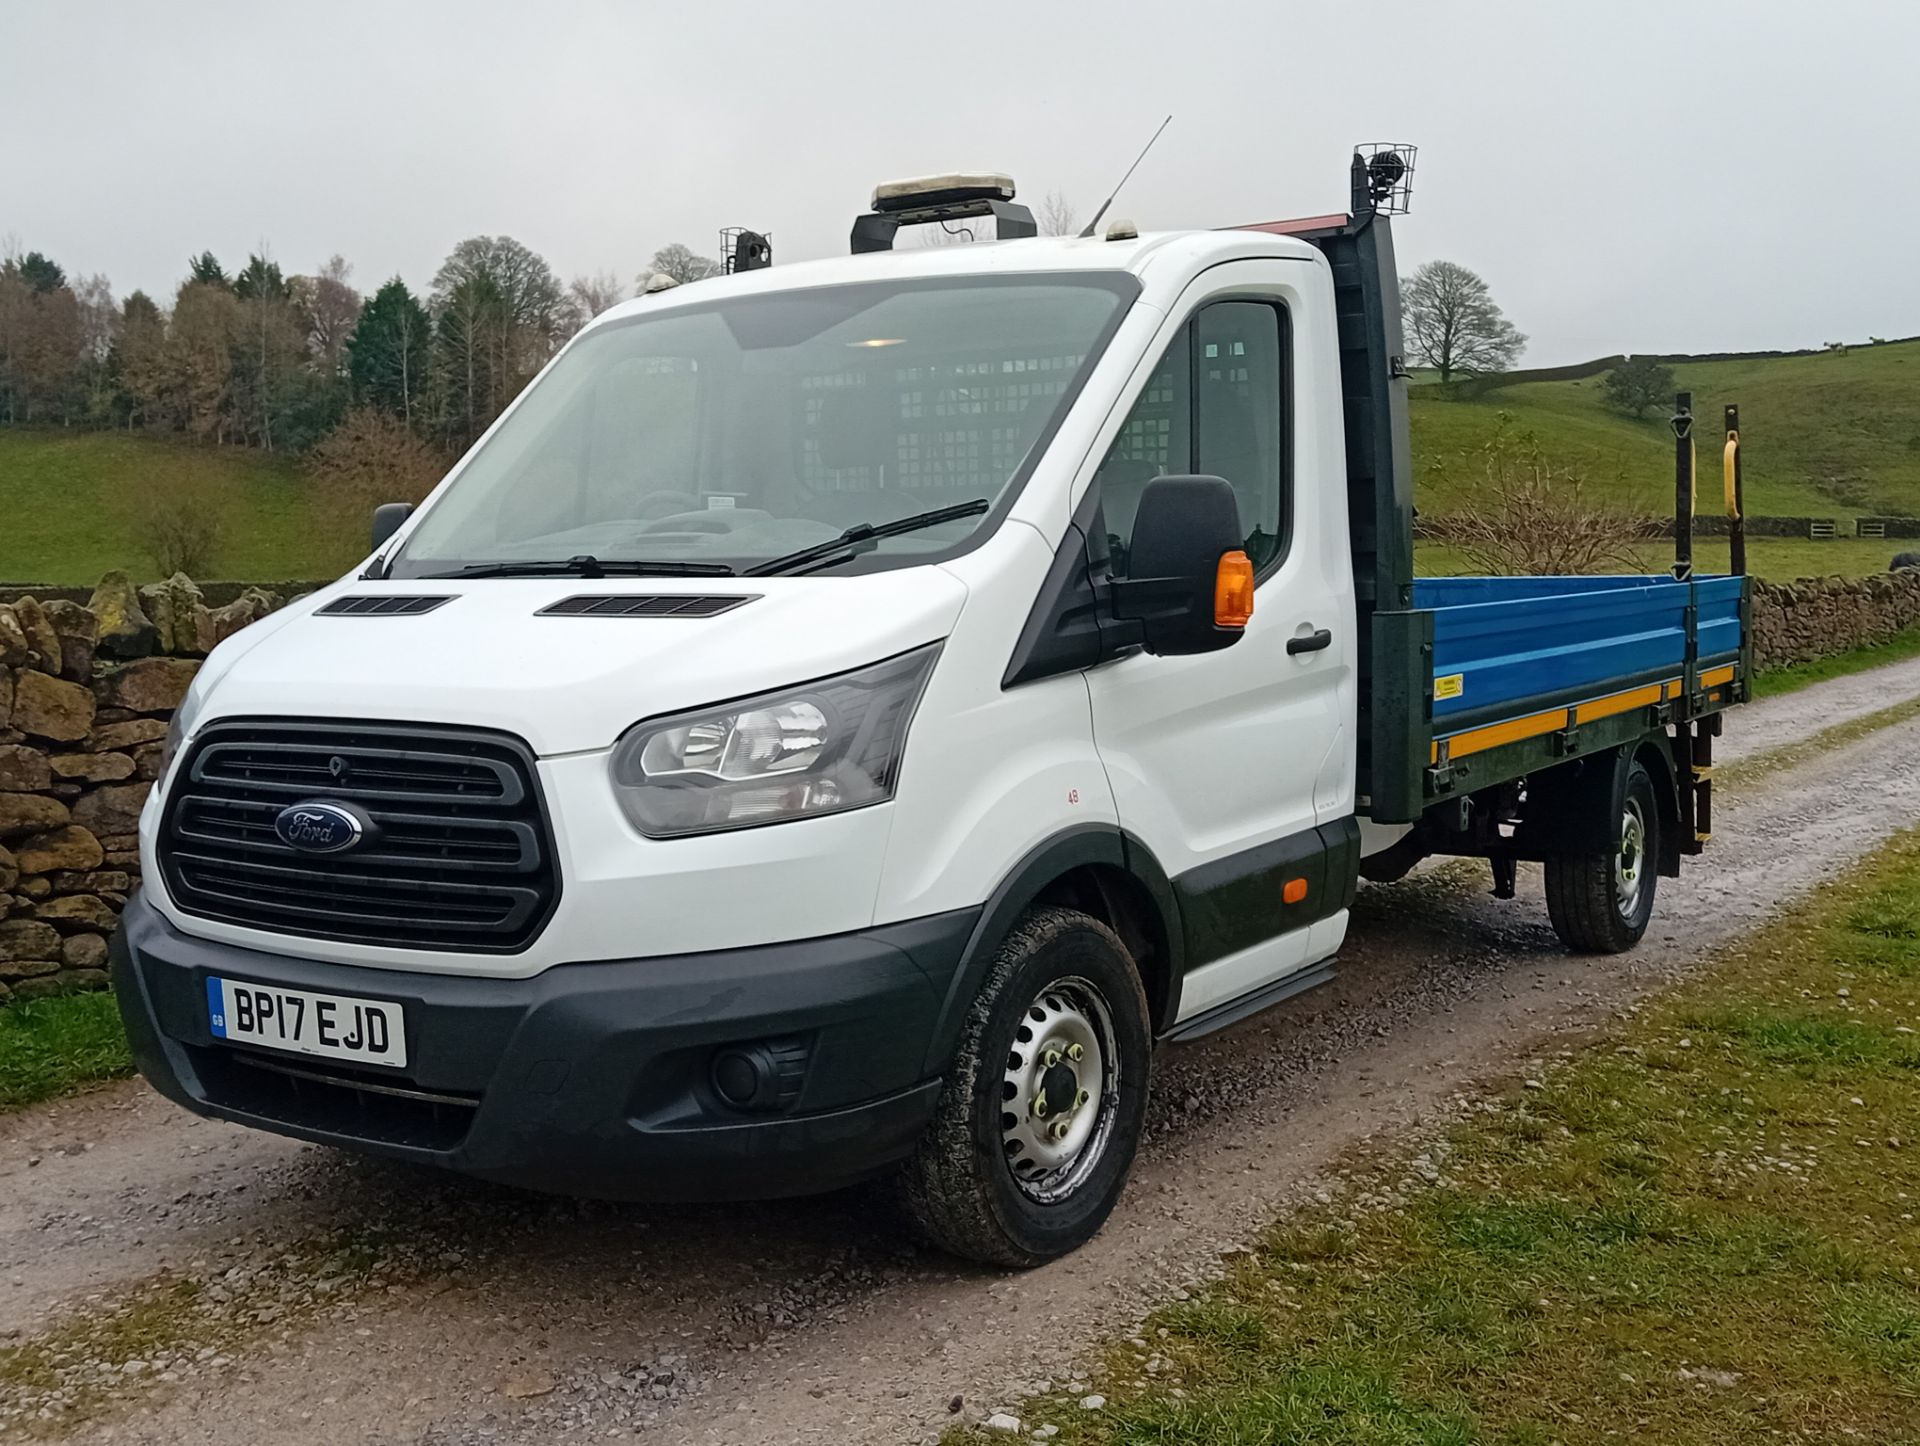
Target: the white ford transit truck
pixel 844 717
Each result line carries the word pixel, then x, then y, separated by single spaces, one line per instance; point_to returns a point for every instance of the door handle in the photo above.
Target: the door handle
pixel 1310 642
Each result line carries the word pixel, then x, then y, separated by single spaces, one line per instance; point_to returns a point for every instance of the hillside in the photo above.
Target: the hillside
pixel 1825 435
pixel 70 506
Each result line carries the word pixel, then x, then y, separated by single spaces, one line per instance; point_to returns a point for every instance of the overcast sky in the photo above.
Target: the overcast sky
pixel 1628 177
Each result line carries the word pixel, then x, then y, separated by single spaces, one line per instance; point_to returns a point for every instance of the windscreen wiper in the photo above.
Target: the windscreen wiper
pixel 586 565
pixel 862 536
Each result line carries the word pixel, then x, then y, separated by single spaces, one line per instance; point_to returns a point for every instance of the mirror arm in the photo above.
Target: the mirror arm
pixel 1146 599
pixel 1119 631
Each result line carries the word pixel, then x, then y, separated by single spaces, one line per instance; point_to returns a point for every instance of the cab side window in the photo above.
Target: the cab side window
pixel 1216 405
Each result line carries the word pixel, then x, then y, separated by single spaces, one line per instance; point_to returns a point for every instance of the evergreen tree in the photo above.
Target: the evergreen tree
pixel 387 352
pixel 259 281
pixel 40 273
pixel 204 269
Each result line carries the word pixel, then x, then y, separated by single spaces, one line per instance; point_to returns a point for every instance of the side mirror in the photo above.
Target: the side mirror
pixel 387 519
pixel 1190 582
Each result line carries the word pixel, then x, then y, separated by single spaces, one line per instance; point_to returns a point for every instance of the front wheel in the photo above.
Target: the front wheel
pixel 1601 903
pixel 1040 1116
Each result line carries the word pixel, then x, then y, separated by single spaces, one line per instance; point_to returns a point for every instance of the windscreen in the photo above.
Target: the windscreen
pixel 741 431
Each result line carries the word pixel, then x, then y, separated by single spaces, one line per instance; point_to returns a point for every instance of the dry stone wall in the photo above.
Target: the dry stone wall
pixel 1819 617
pixel 86 691
pixel 87 688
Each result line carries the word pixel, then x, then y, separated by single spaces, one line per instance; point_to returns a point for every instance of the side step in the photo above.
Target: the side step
pixel 1235 1010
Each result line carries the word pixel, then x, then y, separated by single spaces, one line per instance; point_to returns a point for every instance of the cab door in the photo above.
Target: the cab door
pixel 1234 767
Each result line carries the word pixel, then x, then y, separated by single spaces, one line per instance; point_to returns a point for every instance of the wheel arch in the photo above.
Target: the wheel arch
pixel 1102 871
pixel 1654 753
pixel 1574 807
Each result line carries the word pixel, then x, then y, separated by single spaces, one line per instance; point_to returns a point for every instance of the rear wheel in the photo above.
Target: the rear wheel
pixel 1601 903
pixel 1040 1116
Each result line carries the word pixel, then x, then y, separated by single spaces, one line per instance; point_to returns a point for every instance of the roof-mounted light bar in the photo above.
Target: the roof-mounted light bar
pixel 956 196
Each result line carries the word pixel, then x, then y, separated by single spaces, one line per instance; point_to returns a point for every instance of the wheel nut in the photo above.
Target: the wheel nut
pixel 1060 1130
pixel 1076 1052
pixel 1050 1058
pixel 1081 1099
pixel 1040 1106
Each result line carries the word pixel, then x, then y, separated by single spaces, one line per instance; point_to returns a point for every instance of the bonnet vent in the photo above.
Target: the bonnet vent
pixel 390 605
pixel 644 605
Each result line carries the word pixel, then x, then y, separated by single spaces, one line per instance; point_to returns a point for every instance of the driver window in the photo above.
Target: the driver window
pixel 641 462
pixel 1215 405
pixel 624 449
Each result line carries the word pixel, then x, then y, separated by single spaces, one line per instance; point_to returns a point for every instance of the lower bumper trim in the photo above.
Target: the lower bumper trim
pixel 589 1079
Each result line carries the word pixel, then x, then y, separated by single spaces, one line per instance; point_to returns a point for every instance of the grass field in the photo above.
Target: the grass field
pixel 1823 436
pixel 1699 1229
pixel 69 506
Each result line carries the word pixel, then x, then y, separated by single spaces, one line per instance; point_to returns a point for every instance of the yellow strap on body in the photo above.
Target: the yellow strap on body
pixel 1729 462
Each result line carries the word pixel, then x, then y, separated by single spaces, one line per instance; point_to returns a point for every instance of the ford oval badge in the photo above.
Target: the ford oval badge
pixel 319 828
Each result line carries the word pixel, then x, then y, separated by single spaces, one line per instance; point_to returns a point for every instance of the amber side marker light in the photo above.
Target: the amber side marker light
pixel 1233 591
pixel 1293 891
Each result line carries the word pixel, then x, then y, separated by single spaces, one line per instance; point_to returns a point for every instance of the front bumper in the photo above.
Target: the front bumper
pixel 589 1079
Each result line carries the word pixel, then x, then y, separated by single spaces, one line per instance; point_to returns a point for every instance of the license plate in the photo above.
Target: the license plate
pixel 366 1031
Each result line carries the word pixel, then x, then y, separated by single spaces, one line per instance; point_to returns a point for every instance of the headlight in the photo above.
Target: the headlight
pixel 819 748
pixel 179 726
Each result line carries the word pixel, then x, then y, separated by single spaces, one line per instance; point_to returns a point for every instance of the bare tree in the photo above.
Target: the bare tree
pixel 588 296
pixel 100 321
pixel 680 262
pixel 333 309
pixel 1057 216
pixel 1454 325
pixel 500 314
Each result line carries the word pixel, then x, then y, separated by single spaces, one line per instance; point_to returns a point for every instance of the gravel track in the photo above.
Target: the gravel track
pixel 492 1316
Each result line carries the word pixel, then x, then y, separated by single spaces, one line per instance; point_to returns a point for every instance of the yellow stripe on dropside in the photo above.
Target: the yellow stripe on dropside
pixel 1618 703
pixel 1715 676
pixel 1477 740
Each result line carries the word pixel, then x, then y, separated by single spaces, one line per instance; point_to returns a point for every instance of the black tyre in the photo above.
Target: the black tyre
pixel 1040 1116
pixel 1601 903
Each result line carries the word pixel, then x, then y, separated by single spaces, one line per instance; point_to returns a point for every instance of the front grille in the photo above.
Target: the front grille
pixel 458 855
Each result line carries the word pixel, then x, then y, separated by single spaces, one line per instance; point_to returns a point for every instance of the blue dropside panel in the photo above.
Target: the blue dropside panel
pixel 1718 599
pixel 1509 640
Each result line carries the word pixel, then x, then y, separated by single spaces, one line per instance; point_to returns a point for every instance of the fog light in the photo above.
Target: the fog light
pixel 764 1075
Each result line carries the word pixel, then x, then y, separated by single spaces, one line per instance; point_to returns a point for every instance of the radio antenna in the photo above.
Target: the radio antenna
pixel 1094 224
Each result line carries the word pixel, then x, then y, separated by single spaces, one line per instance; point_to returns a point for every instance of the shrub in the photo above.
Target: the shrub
pixel 181 525
pixel 370 458
pixel 1537 518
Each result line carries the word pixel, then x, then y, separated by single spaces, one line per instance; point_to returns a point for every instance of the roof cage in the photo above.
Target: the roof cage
pixel 744 250
pixel 1383 177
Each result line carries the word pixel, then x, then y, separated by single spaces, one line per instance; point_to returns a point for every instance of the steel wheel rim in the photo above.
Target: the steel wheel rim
pixel 1057 1107
pixel 1630 868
